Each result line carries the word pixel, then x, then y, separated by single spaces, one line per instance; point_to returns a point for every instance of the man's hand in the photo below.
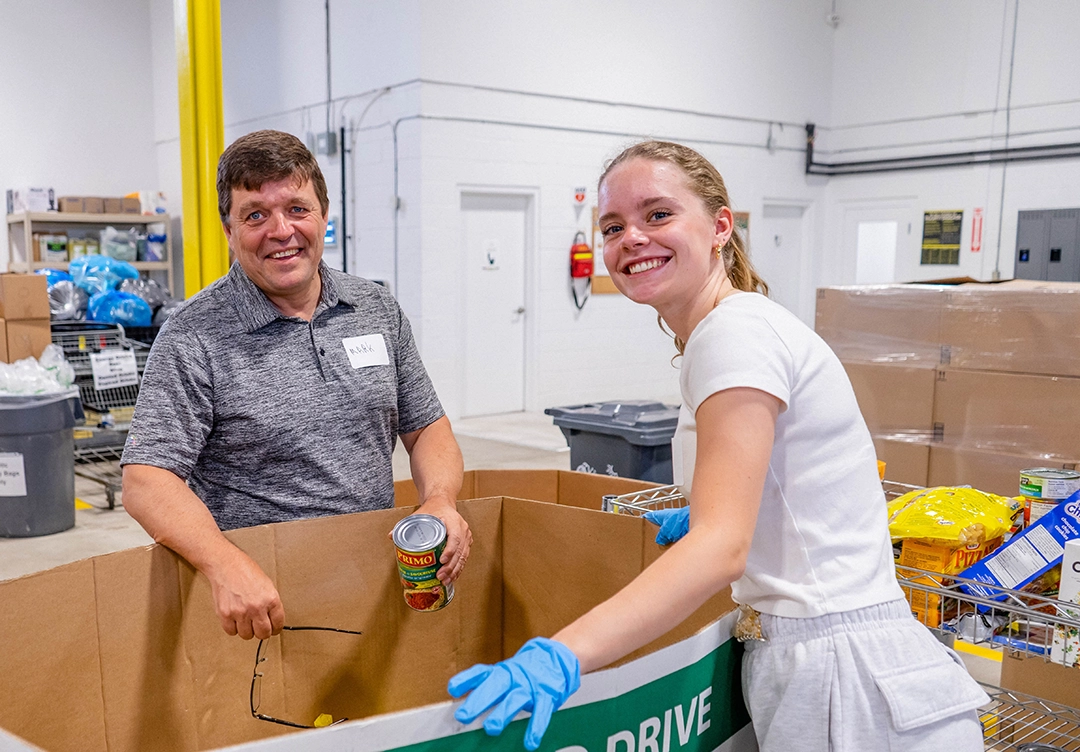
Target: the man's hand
pixel 458 538
pixel 246 600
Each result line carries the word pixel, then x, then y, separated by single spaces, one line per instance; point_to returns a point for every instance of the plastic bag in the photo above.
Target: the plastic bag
pixel 115 307
pixel 147 289
pixel 100 273
pixel 165 312
pixel 52 276
pixel 52 360
pixel 67 302
pixel 958 516
pixel 122 245
pixel 51 375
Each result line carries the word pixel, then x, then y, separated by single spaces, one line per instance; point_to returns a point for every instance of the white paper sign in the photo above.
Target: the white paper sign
pixel 369 350
pixel 12 474
pixel 114 368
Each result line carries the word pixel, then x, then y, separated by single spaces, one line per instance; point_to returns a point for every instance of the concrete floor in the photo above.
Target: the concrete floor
pixel 516 440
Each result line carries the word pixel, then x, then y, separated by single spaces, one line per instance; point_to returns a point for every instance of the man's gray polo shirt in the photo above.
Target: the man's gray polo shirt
pixel 269 418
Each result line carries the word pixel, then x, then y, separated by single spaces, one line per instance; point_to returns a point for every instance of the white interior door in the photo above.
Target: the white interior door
pixel 875 251
pixel 493 247
pixel 876 241
pixel 777 254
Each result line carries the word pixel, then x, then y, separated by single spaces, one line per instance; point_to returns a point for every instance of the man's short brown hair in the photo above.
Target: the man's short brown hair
pixel 263 157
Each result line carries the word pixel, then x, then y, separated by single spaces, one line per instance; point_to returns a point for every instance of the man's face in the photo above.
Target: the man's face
pixel 276 233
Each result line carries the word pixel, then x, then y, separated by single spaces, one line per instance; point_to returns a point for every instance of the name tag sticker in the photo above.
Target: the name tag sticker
pixel 366 351
pixel 12 474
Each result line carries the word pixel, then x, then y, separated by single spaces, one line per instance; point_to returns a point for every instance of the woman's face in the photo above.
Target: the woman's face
pixel 658 235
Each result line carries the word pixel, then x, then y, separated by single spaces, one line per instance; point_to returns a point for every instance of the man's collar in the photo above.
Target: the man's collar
pixel 255 309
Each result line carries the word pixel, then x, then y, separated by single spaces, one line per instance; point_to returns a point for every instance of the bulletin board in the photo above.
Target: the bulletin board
pixel 941 237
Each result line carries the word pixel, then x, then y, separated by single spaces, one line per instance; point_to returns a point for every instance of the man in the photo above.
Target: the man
pixel 278 392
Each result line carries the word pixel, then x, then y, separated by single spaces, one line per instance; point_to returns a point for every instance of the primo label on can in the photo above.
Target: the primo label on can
pixel 420 540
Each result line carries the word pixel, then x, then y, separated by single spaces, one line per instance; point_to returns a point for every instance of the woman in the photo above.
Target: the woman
pixel 785 504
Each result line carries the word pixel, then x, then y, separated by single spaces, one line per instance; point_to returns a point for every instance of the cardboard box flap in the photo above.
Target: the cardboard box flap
pixel 584 490
pixel 145 672
pixel 220 665
pixel 49 631
pixel 587 490
pixel 558 563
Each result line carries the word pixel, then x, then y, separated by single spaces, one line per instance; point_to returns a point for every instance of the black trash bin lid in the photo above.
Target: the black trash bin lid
pixel 641 422
pixel 39 413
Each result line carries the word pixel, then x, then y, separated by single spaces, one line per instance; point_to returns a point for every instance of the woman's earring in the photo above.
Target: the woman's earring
pixel 717 249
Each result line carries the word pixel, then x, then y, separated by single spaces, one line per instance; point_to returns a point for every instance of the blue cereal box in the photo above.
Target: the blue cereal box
pixel 1026 555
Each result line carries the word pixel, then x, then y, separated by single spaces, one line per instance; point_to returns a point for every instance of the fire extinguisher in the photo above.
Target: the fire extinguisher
pixel 581 267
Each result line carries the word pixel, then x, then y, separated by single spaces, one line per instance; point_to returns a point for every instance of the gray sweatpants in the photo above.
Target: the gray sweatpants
pixel 873 679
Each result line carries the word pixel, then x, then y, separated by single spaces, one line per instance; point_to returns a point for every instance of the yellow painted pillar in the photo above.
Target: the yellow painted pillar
pixel 202 139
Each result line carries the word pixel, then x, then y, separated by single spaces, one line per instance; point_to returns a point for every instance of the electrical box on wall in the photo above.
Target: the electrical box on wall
pixel 1048 245
pixel 323 143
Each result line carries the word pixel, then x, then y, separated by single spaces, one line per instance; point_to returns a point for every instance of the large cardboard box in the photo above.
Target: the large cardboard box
pixel 26 339
pixel 882 323
pixel 895 399
pixel 23 296
pixel 905 461
pixel 1016 328
pixel 1008 412
pixel 994 472
pixel 1034 675
pixel 124 651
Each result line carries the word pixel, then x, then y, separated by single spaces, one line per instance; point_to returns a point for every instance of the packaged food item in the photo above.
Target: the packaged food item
pixel 1043 488
pixel 53 248
pixel 945 530
pixel 420 540
pixel 1066 645
pixel 1036 549
pixel 76 247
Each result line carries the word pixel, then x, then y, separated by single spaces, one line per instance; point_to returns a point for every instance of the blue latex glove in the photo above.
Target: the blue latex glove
pixel 538 678
pixel 674 524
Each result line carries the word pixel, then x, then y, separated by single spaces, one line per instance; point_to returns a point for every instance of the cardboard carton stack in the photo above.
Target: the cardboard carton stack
pixel 962 384
pixel 125 652
pixel 24 316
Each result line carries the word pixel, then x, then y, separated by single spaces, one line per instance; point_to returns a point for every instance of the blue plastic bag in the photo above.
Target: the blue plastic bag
pixel 52 276
pixel 97 274
pixel 115 307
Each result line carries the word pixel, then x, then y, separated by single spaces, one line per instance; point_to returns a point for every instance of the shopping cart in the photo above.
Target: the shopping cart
pixel 1012 620
pixel 99 444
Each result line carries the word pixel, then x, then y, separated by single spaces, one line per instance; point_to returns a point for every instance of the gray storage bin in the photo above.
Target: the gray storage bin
pixel 37 464
pixel 629 439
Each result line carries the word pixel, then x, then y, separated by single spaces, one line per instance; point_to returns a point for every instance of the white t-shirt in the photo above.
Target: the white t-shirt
pixel 821 544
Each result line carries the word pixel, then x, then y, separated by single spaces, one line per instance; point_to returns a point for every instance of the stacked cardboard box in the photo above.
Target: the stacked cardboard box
pixel 124 651
pixel 962 384
pixel 967 384
pixel 24 316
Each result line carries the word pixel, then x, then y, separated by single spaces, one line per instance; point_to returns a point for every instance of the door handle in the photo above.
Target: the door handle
pixel 519 310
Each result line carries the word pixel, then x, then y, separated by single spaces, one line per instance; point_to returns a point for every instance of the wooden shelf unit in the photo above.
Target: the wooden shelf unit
pixel 20 244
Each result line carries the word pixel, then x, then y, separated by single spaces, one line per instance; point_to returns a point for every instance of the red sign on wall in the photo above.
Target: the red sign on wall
pixel 976 230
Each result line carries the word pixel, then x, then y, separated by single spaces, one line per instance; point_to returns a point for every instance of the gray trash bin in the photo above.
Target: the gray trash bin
pixel 37 464
pixel 629 439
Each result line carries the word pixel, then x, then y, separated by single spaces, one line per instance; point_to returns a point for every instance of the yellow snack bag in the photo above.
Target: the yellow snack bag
pixel 946 530
pixel 946 514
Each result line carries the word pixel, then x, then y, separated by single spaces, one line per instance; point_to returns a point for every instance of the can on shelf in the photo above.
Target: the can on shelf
pixel 1043 488
pixel 420 540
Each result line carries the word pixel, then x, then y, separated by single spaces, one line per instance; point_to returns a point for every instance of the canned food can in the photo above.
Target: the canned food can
pixel 420 540
pixel 1043 488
